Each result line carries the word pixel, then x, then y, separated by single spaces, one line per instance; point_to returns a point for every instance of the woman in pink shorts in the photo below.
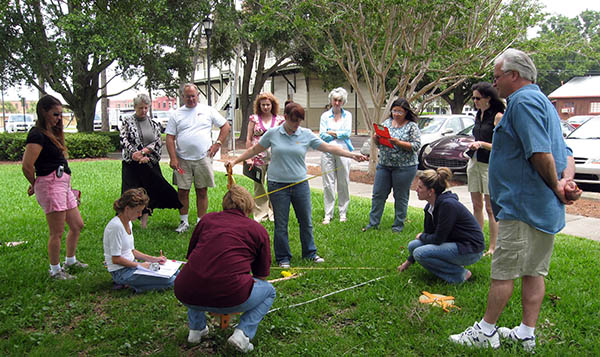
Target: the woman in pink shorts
pixel 46 168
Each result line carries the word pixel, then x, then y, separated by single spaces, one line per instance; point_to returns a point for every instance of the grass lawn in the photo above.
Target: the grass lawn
pixel 84 316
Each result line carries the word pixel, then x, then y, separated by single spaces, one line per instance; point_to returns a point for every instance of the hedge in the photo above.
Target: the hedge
pixel 79 145
pixel 115 139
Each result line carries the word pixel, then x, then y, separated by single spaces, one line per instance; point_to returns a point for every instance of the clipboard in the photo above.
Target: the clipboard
pixel 384 134
pixel 255 173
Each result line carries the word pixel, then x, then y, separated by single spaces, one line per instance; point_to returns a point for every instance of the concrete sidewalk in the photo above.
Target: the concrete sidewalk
pixel 579 226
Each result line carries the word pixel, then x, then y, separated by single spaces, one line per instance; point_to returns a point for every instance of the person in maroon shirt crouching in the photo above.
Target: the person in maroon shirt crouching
pixel 229 258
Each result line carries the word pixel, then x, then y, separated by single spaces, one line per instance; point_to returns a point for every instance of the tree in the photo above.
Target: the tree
pixel 255 33
pixel 565 48
pixel 371 40
pixel 68 43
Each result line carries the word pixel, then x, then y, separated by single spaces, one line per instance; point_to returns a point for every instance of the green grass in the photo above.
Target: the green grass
pixel 41 317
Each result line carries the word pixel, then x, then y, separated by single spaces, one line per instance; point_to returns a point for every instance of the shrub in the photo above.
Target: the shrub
pixel 84 145
pixel 80 145
pixel 113 136
pixel 12 146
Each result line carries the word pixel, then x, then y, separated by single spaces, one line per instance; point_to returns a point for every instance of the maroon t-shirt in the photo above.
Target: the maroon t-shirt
pixel 225 247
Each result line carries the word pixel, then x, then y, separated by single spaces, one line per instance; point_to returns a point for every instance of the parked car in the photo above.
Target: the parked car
pixel 434 127
pixel 97 122
pixel 585 141
pixel 19 122
pixel 449 151
pixel 577 120
pixel 161 117
pixel 566 128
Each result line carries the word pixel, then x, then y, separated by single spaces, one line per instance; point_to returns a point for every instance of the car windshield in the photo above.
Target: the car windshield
pixel 20 118
pixel 467 131
pixel 588 130
pixel 161 114
pixel 429 125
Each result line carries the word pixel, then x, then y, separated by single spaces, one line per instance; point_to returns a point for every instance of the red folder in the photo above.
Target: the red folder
pixel 383 135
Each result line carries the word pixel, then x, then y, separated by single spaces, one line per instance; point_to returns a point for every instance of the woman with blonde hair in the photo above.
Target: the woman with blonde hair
pixel 229 259
pixel 451 238
pixel 264 118
pixel 45 166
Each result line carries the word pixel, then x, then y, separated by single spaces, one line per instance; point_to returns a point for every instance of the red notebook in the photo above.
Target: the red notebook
pixel 383 135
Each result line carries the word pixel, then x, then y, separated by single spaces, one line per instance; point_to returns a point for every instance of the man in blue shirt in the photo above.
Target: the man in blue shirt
pixel 530 166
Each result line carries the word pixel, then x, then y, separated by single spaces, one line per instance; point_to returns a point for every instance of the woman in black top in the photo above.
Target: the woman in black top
pixel 142 144
pixel 46 168
pixel 489 112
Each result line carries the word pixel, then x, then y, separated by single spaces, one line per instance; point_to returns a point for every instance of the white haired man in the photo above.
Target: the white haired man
pixel 529 169
pixel 191 149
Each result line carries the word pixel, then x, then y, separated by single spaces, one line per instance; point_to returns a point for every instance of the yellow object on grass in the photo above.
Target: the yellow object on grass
pixel 445 302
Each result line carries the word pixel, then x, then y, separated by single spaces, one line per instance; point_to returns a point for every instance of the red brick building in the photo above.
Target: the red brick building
pixel 579 96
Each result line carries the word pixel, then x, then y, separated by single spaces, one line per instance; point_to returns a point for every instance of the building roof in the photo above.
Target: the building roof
pixel 578 87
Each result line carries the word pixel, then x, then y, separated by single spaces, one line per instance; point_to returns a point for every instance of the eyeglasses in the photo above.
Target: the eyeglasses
pixel 496 77
pixel 477 98
pixel 398 112
pixel 56 115
pixel 295 120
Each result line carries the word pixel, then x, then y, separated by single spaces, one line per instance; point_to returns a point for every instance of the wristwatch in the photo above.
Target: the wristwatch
pixel 219 142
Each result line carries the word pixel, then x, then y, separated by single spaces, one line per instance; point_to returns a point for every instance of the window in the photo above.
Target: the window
pixel 594 107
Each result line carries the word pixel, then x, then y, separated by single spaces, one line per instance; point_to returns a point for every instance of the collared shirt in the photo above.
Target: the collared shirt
pixel 397 156
pixel 342 128
pixel 288 153
pixel 192 129
pixel 530 125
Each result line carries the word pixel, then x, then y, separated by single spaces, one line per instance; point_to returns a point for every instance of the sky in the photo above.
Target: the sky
pixel 569 8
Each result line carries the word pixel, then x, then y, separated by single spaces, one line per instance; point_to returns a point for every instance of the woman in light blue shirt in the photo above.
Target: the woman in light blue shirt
pixel 397 165
pixel 335 129
pixel 287 180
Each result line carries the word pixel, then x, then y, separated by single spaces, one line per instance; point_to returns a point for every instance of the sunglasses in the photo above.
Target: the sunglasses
pixel 398 112
pixel 477 98
pixel 295 120
pixel 56 115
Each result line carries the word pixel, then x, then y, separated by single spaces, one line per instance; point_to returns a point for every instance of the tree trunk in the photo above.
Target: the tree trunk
pixel 245 100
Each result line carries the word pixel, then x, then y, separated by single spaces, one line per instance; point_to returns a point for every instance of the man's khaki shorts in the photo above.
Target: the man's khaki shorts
pixel 521 250
pixel 198 171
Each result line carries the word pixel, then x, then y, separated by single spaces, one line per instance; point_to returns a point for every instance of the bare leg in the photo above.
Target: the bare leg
pixel 493 224
pixel 184 198
pixel 499 294
pixel 477 200
pixel 75 222
pixel 532 295
pixel 202 201
pixel 56 226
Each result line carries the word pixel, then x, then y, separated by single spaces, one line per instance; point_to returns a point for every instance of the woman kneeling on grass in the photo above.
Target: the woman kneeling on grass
pixel 119 250
pixel 451 238
pixel 225 248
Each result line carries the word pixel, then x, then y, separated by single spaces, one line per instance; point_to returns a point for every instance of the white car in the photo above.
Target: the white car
pixel 585 141
pixel 161 117
pixel 434 127
pixel 19 122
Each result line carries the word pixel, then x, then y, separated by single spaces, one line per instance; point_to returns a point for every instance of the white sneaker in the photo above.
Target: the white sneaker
pixel 196 335
pixel 284 265
pixel 474 336
pixel 317 259
pixel 77 264
pixel 343 219
pixel 326 220
pixel 240 341
pixel 511 334
pixel 183 226
pixel 62 275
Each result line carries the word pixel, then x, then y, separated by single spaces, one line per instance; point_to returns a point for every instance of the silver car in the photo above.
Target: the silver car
pixel 585 141
pixel 19 123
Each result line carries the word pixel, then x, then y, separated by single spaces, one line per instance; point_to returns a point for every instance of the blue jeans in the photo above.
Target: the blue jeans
pixel 254 309
pixel 443 260
pixel 141 283
pixel 388 177
pixel 299 196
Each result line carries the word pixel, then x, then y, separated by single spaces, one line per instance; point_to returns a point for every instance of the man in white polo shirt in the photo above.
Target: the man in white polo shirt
pixel 191 149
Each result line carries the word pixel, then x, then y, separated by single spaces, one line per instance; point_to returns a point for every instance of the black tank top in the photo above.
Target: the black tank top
pixel 483 131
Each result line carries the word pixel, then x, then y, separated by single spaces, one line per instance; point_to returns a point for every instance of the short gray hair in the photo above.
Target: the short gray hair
pixel 518 61
pixel 141 98
pixel 190 85
pixel 338 93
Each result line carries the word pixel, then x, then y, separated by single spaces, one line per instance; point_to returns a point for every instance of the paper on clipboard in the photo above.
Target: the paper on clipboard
pixel 255 173
pixel 383 134
pixel 166 270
